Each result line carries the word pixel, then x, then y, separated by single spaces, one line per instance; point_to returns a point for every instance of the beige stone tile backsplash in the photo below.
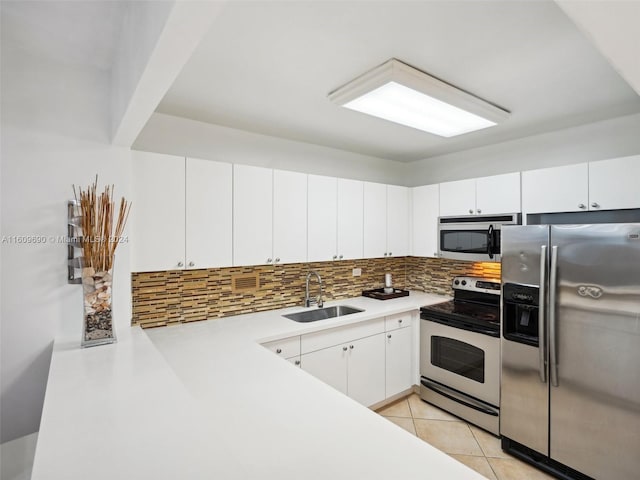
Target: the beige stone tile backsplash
pixel 178 296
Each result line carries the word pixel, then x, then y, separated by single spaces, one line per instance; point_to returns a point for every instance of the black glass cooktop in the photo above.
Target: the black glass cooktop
pixel 475 316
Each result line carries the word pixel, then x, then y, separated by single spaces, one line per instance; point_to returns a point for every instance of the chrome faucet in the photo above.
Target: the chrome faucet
pixel 318 300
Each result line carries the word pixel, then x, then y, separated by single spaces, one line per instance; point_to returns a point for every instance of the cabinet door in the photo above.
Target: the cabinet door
pixel 426 210
pixel 397 220
pixel 252 215
pixel 398 361
pixel 375 220
pixel 289 217
pixel 614 183
pixel 350 218
pixel 209 213
pixel 498 194
pixel 458 198
pixel 158 212
pixel 366 384
pixel 328 365
pixel 322 218
pixel 558 189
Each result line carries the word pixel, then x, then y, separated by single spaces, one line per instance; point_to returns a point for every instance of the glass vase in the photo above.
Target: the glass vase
pixel 97 324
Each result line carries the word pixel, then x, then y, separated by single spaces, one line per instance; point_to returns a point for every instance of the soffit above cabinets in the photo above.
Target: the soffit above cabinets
pixel 267 67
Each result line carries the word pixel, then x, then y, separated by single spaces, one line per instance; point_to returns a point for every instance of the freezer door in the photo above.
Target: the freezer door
pixel 524 396
pixel 595 396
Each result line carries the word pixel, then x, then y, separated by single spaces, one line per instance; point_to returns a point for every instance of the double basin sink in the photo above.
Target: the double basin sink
pixel 323 313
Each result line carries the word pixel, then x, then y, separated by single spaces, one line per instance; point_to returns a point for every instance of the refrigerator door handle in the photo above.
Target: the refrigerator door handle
pixel 553 347
pixel 541 315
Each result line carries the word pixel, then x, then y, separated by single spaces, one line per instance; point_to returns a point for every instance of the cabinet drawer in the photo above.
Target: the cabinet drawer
pixel 400 320
pixel 334 336
pixel 286 347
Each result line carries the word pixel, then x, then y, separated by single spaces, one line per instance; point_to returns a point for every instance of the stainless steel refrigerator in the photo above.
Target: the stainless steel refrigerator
pixel 570 384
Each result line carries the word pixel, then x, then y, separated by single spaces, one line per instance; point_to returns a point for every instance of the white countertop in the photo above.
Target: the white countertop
pixel 206 401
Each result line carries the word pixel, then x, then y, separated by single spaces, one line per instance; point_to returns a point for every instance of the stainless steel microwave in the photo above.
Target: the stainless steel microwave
pixel 474 237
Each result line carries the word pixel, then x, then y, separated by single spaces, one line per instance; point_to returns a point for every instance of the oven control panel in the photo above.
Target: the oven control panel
pixel 477 284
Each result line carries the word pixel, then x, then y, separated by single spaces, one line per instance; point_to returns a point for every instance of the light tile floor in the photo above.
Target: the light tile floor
pixel 466 443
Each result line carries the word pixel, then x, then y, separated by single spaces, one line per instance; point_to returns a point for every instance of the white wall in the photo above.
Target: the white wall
pixel 54 133
pixel 180 136
pixel 612 138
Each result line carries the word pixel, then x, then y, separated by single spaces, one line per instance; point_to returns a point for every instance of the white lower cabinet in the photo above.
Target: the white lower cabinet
pixel 368 361
pixel 355 368
pixel 399 360
pixel 328 365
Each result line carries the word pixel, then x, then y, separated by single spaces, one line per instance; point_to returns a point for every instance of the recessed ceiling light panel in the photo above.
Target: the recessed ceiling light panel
pixel 402 94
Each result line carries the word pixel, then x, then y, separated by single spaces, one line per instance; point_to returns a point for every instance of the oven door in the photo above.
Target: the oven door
pixel 466 361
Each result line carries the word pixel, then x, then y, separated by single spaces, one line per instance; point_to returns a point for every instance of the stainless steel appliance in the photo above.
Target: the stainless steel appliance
pixel 473 237
pixel 460 352
pixel 570 387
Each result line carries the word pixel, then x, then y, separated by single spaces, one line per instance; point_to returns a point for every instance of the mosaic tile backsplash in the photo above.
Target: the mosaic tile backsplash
pixel 178 296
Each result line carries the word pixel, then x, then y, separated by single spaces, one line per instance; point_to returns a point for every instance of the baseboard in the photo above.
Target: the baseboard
pixel 394 398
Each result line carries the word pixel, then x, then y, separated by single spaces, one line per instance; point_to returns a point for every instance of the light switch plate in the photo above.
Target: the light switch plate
pixel 357 272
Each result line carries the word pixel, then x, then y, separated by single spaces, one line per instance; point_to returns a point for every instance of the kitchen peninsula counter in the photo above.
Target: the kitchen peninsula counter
pixel 205 400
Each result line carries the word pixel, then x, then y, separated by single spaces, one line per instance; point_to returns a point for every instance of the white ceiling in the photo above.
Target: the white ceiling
pixel 268 66
pixel 72 32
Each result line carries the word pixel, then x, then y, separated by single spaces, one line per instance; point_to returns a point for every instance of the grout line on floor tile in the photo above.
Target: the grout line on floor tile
pixel 413 420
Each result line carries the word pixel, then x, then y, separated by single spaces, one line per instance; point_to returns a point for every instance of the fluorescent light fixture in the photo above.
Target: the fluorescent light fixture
pixel 402 94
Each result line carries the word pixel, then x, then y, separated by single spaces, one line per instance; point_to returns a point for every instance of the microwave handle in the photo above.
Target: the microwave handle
pixel 490 241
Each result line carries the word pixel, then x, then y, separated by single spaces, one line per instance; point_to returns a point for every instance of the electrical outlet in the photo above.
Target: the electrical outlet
pixel 357 272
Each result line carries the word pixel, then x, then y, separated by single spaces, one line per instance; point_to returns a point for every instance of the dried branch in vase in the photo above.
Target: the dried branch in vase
pixel 99 238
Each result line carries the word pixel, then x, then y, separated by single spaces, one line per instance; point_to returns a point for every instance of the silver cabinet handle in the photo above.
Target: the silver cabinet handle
pixel 269 260
pixel 582 206
pixel 340 257
pixel 471 210
pixel 278 351
pixel 595 205
pixel 297 362
pixel 191 264
pixel 390 253
pixel 541 314
pixel 351 347
pixel 389 336
pixel 180 264
pixel 479 211
pixel 277 259
pixel 553 348
pixel 400 320
pixel 385 254
pixel 335 257
pixel 344 349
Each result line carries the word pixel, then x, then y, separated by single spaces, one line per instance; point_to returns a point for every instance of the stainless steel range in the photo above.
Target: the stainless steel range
pixel 460 352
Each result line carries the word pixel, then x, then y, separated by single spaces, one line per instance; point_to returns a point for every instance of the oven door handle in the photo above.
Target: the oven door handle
pixel 490 241
pixel 456 397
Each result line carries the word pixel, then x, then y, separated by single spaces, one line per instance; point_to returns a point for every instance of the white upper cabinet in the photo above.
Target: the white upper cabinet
pixel 350 219
pixel 498 194
pixel 557 189
pixel 615 183
pixel 397 221
pixel 208 221
pixel 386 220
pixel 289 217
pixel 322 221
pixel 481 196
pixel 158 212
pixel 252 215
pixel 458 198
pixel 375 220
pixel 425 213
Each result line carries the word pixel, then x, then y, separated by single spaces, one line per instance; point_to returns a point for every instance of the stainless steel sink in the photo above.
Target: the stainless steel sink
pixel 323 313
